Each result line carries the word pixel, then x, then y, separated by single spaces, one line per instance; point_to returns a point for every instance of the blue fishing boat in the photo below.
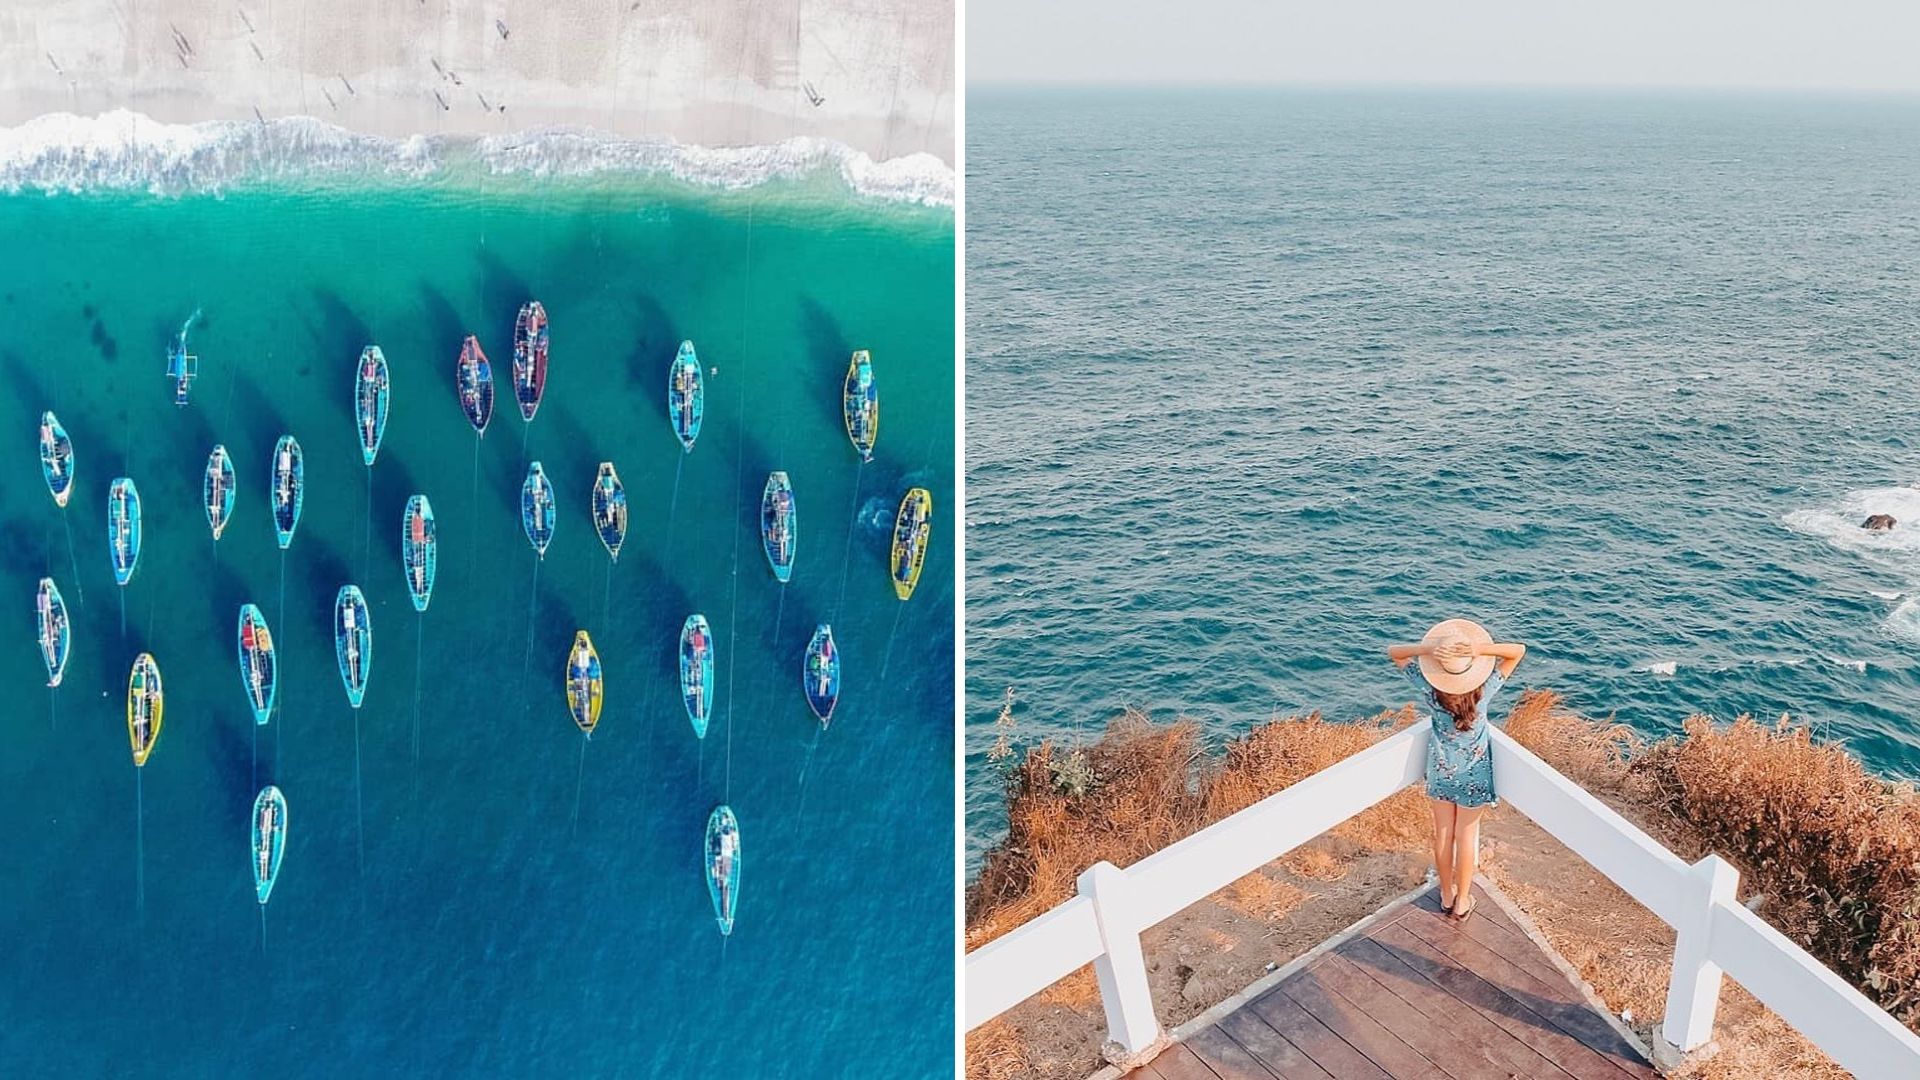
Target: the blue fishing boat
pixel 860 404
pixel 56 458
pixel 474 377
pixel 530 357
pixel 610 509
pixel 182 366
pixel 778 522
pixel 536 508
pixel 696 672
pixel 216 490
pixel 723 865
pixel 822 675
pixel 352 641
pixel 419 550
pixel 269 839
pixel 259 676
pixel 370 401
pixel 289 488
pixel 123 528
pixel 584 685
pixel 55 632
pixel 686 401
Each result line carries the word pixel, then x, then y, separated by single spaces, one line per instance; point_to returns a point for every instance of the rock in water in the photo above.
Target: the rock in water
pixel 1879 522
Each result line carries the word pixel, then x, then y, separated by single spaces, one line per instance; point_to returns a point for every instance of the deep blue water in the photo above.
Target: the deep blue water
pixel 1260 382
pixel 489 934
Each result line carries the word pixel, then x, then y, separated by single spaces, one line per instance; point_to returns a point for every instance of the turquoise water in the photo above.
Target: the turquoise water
pixel 1261 382
pixel 489 934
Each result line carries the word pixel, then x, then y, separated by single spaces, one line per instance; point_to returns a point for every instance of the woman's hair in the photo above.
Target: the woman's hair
pixel 1462 707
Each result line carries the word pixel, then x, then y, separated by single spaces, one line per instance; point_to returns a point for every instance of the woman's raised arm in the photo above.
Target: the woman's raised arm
pixel 1507 652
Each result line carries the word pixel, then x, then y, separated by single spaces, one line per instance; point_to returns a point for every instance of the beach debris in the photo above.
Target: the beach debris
pixel 436 67
pixel 1879 522
pixel 443 101
pixel 257 52
pixel 483 101
pixel 500 25
pixel 180 42
pixel 334 104
pixel 56 65
pixel 244 19
pixel 349 86
pixel 257 116
pixel 813 96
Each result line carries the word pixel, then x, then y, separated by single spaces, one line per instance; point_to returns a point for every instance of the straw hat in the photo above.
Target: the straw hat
pixel 1457 676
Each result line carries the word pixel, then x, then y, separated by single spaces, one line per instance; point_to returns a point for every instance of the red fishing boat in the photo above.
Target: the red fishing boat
pixel 530 357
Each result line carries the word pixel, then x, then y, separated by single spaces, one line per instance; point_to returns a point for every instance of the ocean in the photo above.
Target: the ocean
pixel 1262 381
pixel 489 933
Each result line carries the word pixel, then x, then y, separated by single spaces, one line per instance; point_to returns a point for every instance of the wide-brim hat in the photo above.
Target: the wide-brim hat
pixel 1469 676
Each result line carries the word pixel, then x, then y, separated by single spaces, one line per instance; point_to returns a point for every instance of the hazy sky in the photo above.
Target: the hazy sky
pixel 1807 44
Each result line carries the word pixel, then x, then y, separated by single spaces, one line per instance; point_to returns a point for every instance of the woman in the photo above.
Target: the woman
pixel 1460 668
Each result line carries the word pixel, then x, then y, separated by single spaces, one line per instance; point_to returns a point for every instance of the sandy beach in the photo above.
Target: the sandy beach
pixel 877 76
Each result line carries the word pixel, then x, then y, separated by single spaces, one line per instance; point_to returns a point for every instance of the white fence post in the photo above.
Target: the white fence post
pixel 1132 1029
pixel 1694 992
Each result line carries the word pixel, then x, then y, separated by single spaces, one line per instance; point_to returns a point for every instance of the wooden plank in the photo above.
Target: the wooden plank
pixel 1443 1043
pixel 1380 1045
pixel 1271 1048
pixel 1559 1002
pixel 1519 949
pixel 1228 1059
pixel 1442 1010
pixel 1507 1007
pixel 1315 1039
pixel 1179 1063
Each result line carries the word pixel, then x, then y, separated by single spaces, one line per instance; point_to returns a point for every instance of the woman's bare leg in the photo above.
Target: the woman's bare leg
pixel 1466 858
pixel 1443 815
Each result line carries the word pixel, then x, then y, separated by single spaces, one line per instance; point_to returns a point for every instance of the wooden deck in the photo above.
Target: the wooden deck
pixel 1414 994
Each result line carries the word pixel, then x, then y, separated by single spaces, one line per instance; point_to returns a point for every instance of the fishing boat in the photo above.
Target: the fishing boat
pixel 182 366
pixel 216 491
pixel 911 529
pixel 474 377
pixel 419 551
pixel 777 524
pixel 686 401
pixel 352 641
pixel 584 686
pixel 723 865
pixel 258 675
pixel 536 508
pixel 56 633
pixel 289 488
pixel 145 703
pixel 860 404
pixel 269 839
pixel 123 528
pixel 822 675
pixel 696 672
pixel 610 509
pixel 530 357
pixel 370 401
pixel 56 458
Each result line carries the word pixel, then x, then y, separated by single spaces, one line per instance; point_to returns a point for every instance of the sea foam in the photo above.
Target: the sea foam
pixel 122 150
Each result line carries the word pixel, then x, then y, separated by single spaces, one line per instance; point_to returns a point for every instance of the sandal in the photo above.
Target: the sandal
pixel 1461 916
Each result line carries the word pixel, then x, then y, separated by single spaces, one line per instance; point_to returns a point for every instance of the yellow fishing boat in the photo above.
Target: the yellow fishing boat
pixel 584 686
pixel 144 702
pixel 911 529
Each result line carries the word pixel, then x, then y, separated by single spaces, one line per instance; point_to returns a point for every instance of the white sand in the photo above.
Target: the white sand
pixel 707 72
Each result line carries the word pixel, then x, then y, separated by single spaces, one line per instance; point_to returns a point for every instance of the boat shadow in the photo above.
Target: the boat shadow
pixel 502 291
pixel 447 330
pixel 264 423
pixel 338 337
pixel 829 348
pixel 655 340
pixel 232 742
pixel 323 571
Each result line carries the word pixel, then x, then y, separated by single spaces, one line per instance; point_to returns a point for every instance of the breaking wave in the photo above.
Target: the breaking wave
pixel 121 150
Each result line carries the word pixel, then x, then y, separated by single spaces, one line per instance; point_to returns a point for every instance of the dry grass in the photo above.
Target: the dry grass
pixel 1317 864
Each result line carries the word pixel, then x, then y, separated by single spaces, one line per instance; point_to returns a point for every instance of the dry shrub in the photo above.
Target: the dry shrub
pixel 1593 752
pixel 1143 796
pixel 1836 850
pixel 995 1051
pixel 1261 897
pixel 1150 787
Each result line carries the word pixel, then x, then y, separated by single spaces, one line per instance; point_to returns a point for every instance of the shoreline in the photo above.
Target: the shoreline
pixel 725 77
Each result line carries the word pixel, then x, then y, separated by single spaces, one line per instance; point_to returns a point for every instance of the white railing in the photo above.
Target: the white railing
pixel 1713 932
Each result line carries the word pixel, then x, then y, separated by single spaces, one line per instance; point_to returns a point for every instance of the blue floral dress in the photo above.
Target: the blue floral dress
pixel 1459 763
